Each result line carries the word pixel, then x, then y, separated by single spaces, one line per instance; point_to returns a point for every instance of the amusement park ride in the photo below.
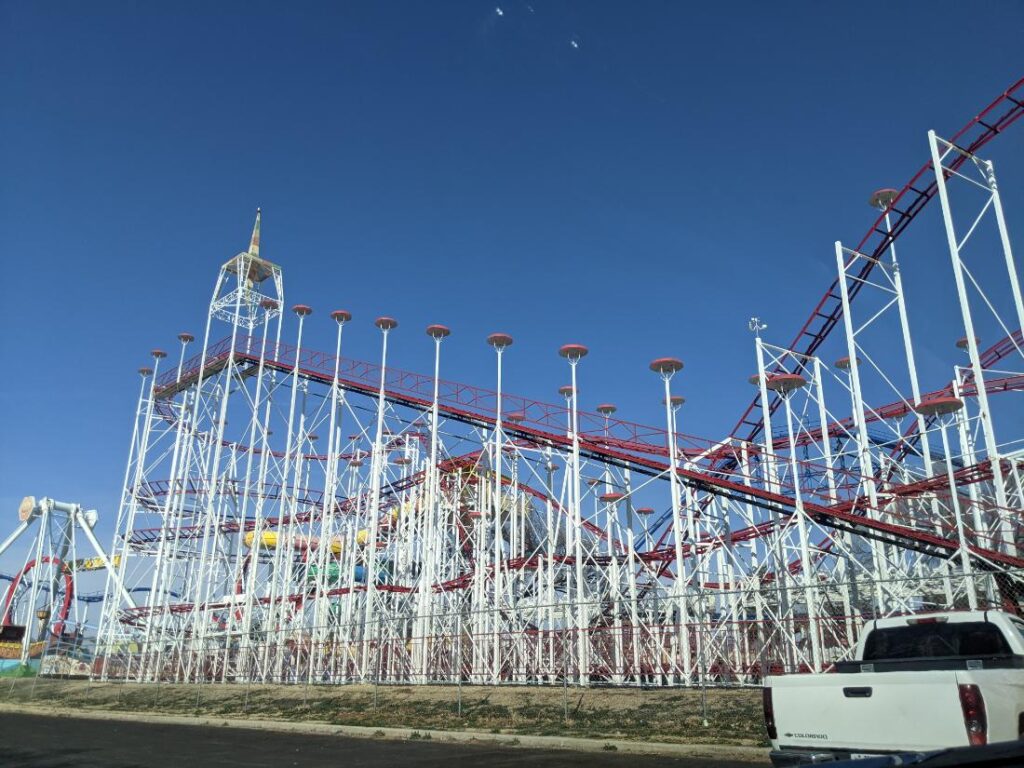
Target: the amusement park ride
pixel 41 608
pixel 292 515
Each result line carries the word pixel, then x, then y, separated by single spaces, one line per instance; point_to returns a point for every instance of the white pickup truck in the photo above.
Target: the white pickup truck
pixel 916 683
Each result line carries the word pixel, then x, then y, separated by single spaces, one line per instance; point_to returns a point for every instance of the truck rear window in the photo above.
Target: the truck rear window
pixel 915 641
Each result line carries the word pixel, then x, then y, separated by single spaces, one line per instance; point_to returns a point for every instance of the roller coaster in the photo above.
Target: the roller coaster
pixel 294 515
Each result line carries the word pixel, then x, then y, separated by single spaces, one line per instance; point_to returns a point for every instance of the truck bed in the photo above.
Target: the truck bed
pixel 949 663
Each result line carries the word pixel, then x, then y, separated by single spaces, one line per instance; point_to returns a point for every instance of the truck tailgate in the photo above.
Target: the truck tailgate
pixel 869 712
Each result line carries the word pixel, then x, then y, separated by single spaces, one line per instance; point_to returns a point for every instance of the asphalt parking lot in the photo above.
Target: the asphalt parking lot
pixel 33 741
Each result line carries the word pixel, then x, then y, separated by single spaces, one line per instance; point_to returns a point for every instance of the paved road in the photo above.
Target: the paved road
pixel 31 741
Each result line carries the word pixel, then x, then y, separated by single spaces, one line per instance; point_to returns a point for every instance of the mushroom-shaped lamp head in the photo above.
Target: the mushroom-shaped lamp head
pixel 666 366
pixel 784 383
pixel 573 352
pixel 499 340
pixel 882 198
pixel 939 406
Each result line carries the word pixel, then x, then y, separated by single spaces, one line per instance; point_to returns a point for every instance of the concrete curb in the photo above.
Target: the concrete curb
pixel 719 751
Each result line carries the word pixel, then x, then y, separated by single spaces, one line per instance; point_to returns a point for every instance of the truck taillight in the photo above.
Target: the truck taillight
pixel 973 705
pixel 769 713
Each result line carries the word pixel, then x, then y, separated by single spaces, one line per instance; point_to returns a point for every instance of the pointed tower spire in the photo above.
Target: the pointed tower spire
pixel 254 242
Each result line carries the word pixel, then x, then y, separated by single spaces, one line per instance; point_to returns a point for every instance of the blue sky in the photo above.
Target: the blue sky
pixel 637 177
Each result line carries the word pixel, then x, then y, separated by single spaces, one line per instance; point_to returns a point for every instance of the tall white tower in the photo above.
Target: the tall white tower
pixel 244 284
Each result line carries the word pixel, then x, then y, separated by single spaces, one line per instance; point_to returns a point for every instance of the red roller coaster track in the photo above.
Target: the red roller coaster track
pixel 910 201
pixel 364 378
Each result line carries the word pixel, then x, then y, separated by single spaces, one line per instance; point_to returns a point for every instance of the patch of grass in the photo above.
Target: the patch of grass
pixel 655 714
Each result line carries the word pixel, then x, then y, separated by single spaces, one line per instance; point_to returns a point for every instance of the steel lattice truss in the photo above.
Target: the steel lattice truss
pixel 296 515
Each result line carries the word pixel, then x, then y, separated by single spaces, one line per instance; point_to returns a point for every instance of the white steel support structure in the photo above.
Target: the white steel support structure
pixel 43 611
pixel 298 516
pixel 942 152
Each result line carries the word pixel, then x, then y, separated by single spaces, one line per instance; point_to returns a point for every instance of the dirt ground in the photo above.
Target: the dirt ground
pixel 671 715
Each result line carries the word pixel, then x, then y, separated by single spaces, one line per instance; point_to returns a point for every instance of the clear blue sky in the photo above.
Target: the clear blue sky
pixel 640 177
